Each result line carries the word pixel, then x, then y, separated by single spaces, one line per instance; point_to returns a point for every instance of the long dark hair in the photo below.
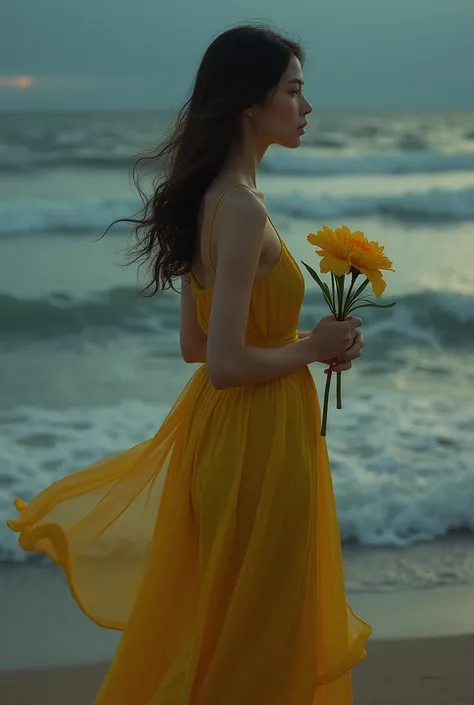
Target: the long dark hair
pixel 239 69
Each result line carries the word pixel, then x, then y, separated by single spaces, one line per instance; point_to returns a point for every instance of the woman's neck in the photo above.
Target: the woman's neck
pixel 244 159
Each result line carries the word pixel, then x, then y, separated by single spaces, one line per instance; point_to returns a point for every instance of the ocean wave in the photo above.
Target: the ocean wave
pixel 428 318
pixel 433 206
pixel 46 216
pixel 95 215
pixel 323 155
pixel 60 314
pixel 21 161
pixel 401 465
pixel 310 163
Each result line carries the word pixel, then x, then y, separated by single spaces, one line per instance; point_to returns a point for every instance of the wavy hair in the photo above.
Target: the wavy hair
pixel 239 69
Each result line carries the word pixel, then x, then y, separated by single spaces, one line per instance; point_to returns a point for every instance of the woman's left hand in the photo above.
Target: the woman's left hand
pixel 344 362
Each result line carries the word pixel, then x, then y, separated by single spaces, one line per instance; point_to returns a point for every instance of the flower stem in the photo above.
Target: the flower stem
pixel 348 297
pixel 338 391
pixel 325 404
pixel 341 315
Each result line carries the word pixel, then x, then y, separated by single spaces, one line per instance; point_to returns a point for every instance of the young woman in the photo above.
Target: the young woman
pixel 214 546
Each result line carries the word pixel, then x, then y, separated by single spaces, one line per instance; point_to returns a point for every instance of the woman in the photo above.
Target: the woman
pixel 233 592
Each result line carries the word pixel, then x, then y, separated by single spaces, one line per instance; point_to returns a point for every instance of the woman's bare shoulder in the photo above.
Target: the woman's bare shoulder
pixel 239 201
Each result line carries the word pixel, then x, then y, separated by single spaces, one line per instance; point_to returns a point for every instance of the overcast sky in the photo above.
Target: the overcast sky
pixel 144 53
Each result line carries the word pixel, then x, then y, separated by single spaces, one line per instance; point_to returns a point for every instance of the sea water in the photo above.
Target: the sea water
pixel 87 368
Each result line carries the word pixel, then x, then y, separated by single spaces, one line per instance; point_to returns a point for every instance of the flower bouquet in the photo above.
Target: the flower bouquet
pixel 345 253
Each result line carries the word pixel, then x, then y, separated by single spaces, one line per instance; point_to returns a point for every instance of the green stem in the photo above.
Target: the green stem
pixel 325 404
pixel 355 296
pixel 338 391
pixel 340 296
pixel 346 306
pixel 341 317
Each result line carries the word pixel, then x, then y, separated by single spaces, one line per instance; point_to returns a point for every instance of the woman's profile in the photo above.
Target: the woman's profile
pixel 214 546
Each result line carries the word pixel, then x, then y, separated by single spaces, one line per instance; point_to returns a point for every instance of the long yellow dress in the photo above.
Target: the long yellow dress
pixel 214 546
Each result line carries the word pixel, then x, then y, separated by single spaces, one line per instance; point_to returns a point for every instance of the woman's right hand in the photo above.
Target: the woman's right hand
pixel 331 338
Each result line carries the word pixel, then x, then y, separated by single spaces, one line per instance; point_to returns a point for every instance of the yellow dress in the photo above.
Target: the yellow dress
pixel 215 544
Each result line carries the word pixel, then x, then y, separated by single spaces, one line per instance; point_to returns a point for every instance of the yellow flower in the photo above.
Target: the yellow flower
pixel 341 249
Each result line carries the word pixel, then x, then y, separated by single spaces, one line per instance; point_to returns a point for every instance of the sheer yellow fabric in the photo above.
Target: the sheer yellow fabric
pixel 215 545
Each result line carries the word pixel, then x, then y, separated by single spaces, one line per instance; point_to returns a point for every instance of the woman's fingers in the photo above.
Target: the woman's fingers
pixel 353 352
pixel 344 362
pixel 339 367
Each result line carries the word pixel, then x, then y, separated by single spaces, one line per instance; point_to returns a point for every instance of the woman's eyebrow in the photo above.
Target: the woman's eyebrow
pixel 296 80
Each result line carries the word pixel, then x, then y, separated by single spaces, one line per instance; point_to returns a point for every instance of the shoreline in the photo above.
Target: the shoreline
pixel 36 598
pixel 429 671
pixel 418 654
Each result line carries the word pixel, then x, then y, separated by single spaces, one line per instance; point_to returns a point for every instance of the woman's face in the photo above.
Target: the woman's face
pixel 282 119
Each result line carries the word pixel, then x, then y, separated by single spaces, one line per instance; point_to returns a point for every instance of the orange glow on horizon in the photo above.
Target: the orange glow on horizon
pixel 20 82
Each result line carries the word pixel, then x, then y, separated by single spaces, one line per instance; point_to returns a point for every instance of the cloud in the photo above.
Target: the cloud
pixel 73 82
pixel 118 53
pixel 16 82
pixel 59 82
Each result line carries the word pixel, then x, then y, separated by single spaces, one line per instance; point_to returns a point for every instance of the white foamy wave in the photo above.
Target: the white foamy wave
pixel 45 216
pixel 401 464
pixel 95 215
pixel 435 320
pixel 310 162
pixel 40 446
pixel 402 467
pixel 434 206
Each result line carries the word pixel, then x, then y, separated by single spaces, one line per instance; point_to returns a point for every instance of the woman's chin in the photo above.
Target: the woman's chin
pixel 297 142
pixel 291 143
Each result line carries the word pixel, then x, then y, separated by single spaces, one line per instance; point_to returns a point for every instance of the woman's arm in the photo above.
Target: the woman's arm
pixel 193 340
pixel 198 353
pixel 343 362
pixel 238 229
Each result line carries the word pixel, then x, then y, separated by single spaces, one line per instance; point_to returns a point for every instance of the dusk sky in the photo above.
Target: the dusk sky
pixel 61 54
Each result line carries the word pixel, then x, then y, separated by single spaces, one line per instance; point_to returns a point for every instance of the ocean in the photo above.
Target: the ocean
pixel 88 368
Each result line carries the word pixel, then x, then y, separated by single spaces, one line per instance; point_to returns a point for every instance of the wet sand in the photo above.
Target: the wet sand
pixel 421 651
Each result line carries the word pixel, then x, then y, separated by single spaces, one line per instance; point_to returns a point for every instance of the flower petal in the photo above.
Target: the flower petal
pixel 341 249
pixel 313 239
pixel 336 265
pixel 376 280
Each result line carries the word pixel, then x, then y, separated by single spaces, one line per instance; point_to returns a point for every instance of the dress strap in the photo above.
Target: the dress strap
pixel 213 218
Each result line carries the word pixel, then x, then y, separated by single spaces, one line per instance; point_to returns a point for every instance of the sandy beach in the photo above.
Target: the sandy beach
pixel 432 671
pixel 51 654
